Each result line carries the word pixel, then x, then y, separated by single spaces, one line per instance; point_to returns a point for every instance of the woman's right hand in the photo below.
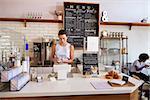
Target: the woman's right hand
pixel 57 60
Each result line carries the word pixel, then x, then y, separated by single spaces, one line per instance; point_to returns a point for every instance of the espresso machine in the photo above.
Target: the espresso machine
pixel 41 51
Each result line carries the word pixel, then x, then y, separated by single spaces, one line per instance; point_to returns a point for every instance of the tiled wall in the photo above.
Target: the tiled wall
pixel 14 32
pixel 34 32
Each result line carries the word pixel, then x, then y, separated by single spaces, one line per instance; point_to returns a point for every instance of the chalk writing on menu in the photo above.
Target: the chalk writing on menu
pixel 89 60
pixel 76 41
pixel 81 20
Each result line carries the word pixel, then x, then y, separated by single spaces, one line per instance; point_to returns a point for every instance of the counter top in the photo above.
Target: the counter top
pixel 72 86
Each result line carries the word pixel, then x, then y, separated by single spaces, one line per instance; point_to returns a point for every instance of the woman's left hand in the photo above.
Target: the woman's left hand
pixel 146 66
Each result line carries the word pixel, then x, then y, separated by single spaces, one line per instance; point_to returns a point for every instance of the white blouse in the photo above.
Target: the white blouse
pixel 63 52
pixel 138 64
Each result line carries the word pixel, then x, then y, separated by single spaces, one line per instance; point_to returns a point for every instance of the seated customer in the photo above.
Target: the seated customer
pixel 138 65
pixel 63 52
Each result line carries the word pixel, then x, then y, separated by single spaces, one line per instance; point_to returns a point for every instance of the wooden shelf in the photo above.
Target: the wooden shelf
pixel 130 24
pixel 114 37
pixel 25 20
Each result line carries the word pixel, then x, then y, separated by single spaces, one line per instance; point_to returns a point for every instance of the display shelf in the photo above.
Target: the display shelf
pixel 114 49
pixel 25 20
pixel 130 24
pixel 115 37
pixel 124 53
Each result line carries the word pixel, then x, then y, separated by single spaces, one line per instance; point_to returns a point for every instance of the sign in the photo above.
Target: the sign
pixel 81 19
pixel 90 63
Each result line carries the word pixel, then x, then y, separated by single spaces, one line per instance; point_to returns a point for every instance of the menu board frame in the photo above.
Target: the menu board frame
pixel 81 20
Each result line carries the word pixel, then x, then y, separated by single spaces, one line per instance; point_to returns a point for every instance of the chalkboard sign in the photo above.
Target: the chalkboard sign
pixel 76 41
pixel 90 60
pixel 81 19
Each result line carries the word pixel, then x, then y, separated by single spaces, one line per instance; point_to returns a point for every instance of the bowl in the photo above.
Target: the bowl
pixel 109 68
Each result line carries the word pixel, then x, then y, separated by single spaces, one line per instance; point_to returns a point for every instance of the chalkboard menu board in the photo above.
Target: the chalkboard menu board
pixel 81 20
pixel 76 41
pixel 90 60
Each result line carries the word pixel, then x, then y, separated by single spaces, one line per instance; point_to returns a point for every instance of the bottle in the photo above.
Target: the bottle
pixel 117 67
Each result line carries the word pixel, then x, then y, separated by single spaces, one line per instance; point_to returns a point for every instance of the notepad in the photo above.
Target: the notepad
pixel 100 85
pixel 146 71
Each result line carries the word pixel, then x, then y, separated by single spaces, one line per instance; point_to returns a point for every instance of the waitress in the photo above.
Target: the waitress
pixel 63 52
